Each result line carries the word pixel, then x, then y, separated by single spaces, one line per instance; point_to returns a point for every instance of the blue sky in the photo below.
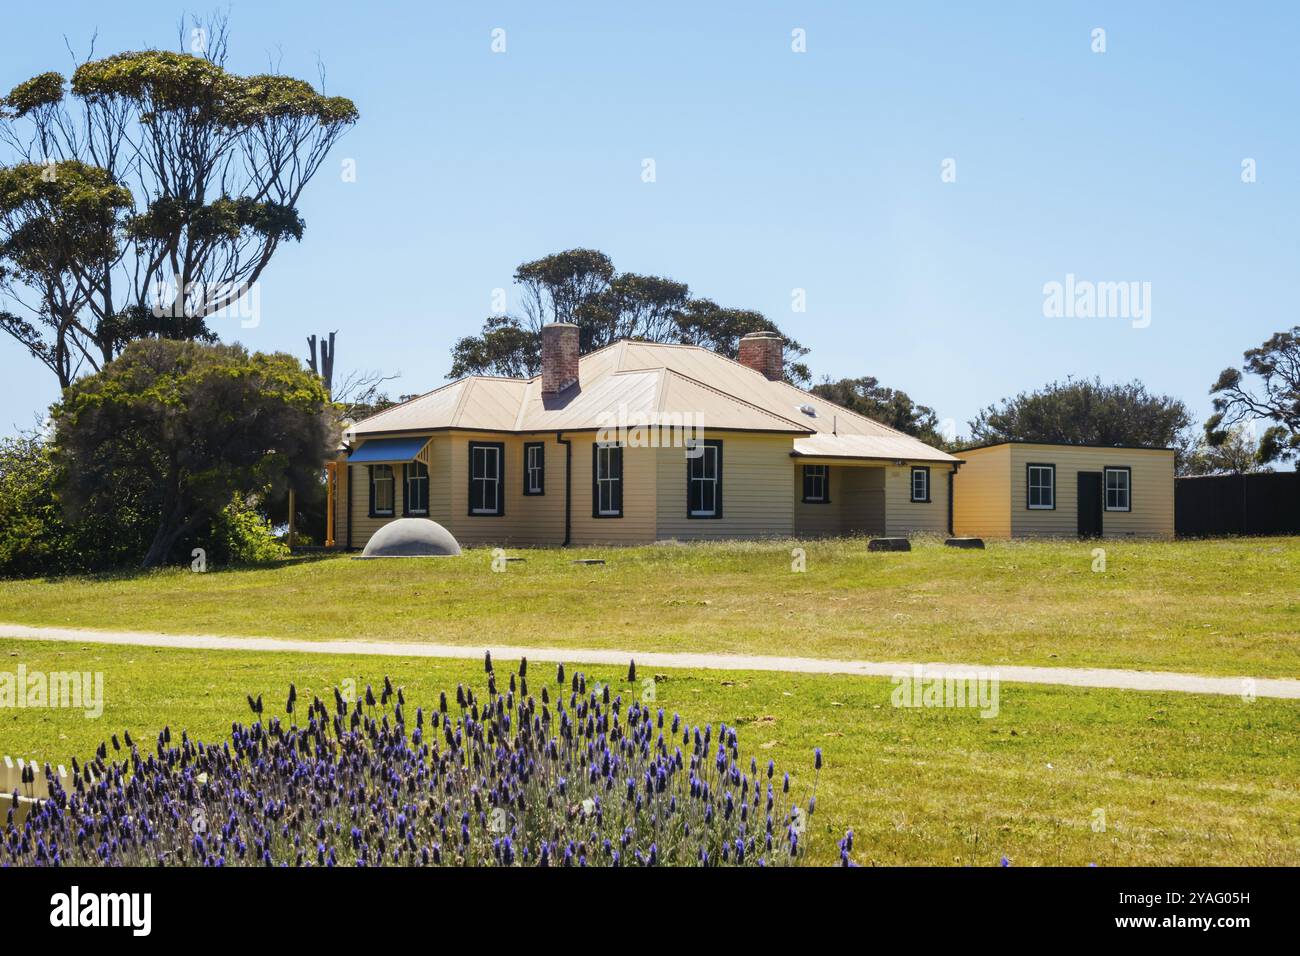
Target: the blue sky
pixel 778 171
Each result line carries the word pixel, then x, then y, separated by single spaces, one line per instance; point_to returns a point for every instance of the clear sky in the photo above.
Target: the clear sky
pixel 778 171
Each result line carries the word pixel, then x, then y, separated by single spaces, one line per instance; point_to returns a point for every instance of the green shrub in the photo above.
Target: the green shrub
pixel 242 535
pixel 38 537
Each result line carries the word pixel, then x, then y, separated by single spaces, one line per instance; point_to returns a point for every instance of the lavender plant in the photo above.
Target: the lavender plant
pixel 575 778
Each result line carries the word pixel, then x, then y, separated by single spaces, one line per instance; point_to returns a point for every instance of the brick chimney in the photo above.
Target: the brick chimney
pixel 763 352
pixel 559 357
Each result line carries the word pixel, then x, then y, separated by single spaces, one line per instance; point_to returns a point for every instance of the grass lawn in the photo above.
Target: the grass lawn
pixel 1229 607
pixel 1180 779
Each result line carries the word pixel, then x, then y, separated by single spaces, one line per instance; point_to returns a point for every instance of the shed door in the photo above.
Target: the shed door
pixel 1090 504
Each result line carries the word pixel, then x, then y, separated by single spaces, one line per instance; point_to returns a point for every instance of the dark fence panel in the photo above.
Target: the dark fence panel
pixel 1237 504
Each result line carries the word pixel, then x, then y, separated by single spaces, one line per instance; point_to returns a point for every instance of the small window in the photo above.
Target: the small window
pixel 416 501
pixel 921 484
pixel 381 491
pixel 606 481
pixel 816 484
pixel 485 477
pixel 704 480
pixel 535 468
pixel 1041 489
pixel 1118 489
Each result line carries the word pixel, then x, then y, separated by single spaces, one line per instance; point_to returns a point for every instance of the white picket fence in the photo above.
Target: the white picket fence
pixel 11 779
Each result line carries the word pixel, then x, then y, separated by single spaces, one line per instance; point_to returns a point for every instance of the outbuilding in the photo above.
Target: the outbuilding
pixel 1045 489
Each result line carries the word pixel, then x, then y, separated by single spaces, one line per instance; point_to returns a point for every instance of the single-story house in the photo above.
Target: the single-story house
pixel 636 442
pixel 1041 489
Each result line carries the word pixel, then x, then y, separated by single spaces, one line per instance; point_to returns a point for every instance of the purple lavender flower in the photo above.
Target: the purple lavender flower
pixel 500 781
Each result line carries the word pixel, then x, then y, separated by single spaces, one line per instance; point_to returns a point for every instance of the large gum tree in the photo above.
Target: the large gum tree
pixel 147 193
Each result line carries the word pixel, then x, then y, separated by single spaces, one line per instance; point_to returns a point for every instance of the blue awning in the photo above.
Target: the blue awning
pixel 387 450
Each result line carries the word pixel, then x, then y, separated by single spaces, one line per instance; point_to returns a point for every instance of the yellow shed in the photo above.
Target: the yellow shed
pixel 1044 489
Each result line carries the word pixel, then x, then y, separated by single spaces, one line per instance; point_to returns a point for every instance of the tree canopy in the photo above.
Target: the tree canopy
pixel 1237 453
pixel 1276 398
pixel 1087 412
pixel 190 426
pixel 146 194
pixel 581 286
pixel 889 406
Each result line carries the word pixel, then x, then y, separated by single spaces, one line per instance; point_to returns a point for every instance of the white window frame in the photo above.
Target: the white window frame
pixel 406 492
pixel 822 474
pixel 925 475
pixel 606 484
pixel 1030 485
pixel 391 482
pixel 1127 489
pixel 486 480
pixel 533 465
pixel 708 482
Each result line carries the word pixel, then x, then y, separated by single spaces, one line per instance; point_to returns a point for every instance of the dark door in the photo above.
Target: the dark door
pixel 1089 504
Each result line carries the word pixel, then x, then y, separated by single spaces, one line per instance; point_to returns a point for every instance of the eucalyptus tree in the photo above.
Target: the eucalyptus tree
pixel 581 286
pixel 146 193
pixel 1088 412
pixel 1266 388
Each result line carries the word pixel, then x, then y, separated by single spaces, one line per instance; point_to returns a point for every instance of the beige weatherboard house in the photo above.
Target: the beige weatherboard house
pixel 1039 489
pixel 636 442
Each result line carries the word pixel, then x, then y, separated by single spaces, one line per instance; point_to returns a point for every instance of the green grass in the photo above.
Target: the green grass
pixel 1181 779
pixel 1228 607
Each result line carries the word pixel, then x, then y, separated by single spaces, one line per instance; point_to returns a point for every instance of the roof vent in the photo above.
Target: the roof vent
pixel 808 410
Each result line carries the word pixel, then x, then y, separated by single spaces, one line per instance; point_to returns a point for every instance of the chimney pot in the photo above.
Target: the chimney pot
pixel 559 357
pixel 764 352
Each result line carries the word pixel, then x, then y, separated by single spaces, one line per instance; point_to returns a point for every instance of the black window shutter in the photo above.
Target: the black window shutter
pixel 694 489
pixel 717 486
pixel 370 473
pixel 475 487
pixel 617 469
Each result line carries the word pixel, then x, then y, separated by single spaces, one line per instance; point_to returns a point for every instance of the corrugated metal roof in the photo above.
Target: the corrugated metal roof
pixel 642 379
pixel 897 447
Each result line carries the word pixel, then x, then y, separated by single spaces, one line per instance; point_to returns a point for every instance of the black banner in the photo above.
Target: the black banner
pixel 142 907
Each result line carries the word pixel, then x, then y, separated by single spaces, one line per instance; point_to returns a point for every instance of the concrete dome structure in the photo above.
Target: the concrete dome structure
pixel 412 538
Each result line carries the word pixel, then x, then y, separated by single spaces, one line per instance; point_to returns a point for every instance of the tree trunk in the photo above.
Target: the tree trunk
pixel 170 525
pixel 163 539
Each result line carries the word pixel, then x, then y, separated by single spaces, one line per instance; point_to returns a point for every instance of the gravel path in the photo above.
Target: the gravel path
pixel 647 660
